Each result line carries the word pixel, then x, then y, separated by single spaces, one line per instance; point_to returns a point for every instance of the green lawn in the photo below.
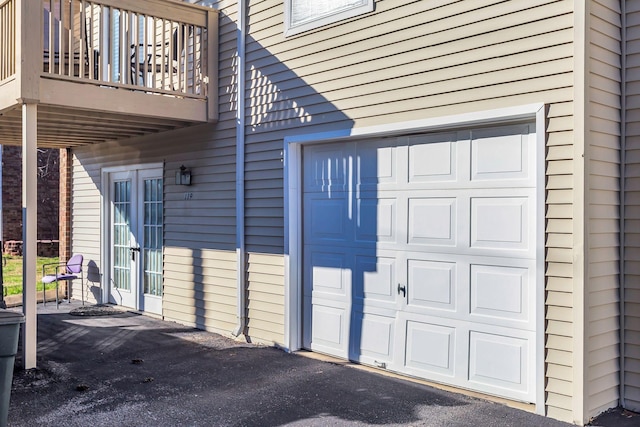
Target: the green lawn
pixel 12 273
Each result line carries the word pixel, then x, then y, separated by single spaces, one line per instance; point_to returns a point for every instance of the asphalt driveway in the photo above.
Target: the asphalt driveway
pixel 130 370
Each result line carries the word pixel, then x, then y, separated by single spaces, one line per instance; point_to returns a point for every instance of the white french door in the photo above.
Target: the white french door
pixel 135 239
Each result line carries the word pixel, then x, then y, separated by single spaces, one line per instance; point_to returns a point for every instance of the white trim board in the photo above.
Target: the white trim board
pixel 293 207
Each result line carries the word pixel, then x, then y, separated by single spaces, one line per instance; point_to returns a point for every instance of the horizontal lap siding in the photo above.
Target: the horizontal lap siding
pixel 266 296
pixel 412 60
pixel 632 212
pixel 199 234
pixel 85 226
pixel 603 211
pixel 559 267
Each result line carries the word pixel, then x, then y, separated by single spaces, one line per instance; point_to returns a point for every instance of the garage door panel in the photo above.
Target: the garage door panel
pixel 433 158
pixel 430 348
pixel 500 292
pixel 377 220
pixel 432 221
pixel 327 219
pixel 500 363
pixel 375 278
pixel 377 165
pixel 432 284
pixel 373 338
pixel 328 272
pixel 326 168
pixel 501 223
pixel 500 154
pixel 329 326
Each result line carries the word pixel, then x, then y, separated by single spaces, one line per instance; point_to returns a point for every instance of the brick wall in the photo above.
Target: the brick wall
pixel 11 193
pixel 65 204
pixel 48 195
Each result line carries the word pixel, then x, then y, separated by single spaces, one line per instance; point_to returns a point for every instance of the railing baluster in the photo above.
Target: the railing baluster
pixel 131 41
pixel 165 61
pixel 72 49
pixel 60 37
pixel 184 53
pixel 179 55
pixel 145 47
pixel 171 57
pixel 50 38
pixel 204 61
pixel 101 59
pixel 3 41
pixel 192 51
pixel 90 45
pixel 125 75
pixel 154 62
pixel 81 50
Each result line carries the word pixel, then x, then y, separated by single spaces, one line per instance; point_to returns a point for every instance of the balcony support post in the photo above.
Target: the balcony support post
pixel 29 231
pixel 29 17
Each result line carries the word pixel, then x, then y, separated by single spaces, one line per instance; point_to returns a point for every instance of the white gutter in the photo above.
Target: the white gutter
pixel 623 159
pixel 240 122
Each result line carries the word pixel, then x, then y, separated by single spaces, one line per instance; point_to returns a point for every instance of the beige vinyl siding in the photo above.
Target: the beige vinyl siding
pixel 363 73
pixel 603 208
pixel 412 60
pixel 85 225
pixel 265 274
pixel 199 234
pixel 559 268
pixel 199 260
pixel 632 212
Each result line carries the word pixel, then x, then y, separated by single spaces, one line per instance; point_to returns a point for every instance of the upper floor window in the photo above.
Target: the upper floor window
pixel 303 15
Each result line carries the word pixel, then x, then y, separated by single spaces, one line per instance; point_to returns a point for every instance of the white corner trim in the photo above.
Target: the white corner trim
pixel 292 246
pixel 540 260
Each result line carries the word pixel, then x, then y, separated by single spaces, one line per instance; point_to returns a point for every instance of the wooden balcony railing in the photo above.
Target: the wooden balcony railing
pixel 153 46
pixel 7 39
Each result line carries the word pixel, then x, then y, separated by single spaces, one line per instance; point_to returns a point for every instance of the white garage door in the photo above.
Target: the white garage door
pixel 419 256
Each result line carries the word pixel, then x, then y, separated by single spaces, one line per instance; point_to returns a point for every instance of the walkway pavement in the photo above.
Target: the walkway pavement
pixel 130 370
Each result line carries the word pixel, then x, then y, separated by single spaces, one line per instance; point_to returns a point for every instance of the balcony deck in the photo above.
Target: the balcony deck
pixel 107 69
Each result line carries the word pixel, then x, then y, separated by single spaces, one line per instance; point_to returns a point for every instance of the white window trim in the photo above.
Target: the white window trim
pixel 322 20
pixel 293 210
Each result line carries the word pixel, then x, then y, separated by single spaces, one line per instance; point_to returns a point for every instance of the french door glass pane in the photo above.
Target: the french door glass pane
pixel 121 233
pixel 152 247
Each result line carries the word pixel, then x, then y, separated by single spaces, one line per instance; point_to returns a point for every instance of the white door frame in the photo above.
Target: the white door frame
pixel 105 217
pixel 293 262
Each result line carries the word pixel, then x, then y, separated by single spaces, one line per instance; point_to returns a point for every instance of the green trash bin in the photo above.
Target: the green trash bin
pixel 9 332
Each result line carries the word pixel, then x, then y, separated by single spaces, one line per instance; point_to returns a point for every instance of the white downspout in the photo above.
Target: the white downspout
pixel 623 156
pixel 240 121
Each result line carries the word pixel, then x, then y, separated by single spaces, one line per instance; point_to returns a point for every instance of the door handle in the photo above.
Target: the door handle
pixel 133 251
pixel 403 289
